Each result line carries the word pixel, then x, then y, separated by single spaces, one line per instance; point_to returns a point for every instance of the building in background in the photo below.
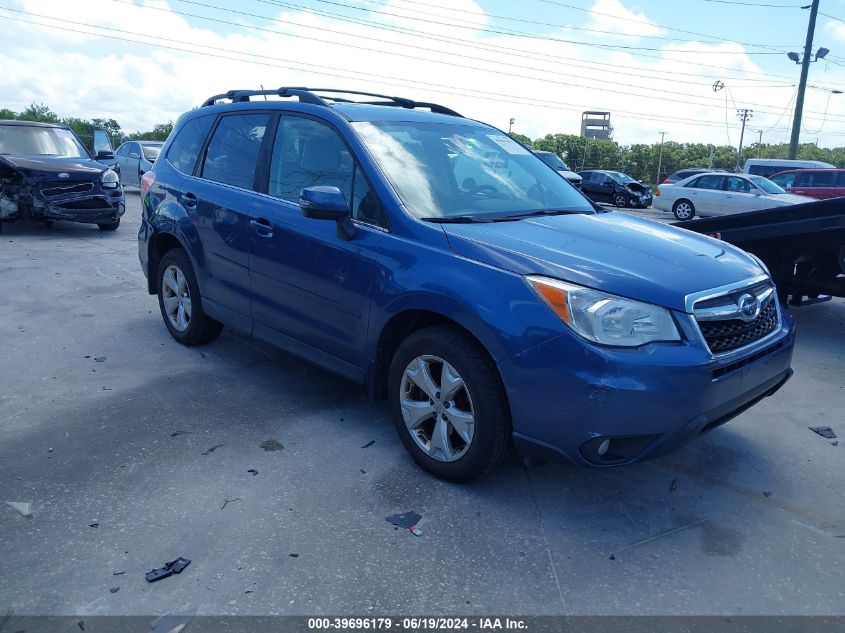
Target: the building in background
pixel 595 124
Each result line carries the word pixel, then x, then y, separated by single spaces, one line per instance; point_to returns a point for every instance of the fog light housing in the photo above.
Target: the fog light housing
pixel 616 449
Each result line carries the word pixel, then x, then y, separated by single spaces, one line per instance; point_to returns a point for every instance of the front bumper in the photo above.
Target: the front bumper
pixel 102 206
pixel 567 397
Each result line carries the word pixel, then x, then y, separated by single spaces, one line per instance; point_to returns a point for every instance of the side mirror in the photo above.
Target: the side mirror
pixel 328 203
pixel 105 154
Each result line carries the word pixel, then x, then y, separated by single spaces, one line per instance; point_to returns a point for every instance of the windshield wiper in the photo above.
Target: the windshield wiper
pixel 534 214
pixel 456 219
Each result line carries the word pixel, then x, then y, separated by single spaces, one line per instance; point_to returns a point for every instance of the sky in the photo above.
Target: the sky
pixel 682 67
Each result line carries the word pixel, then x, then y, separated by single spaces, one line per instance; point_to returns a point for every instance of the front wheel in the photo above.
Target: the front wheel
pixel 448 404
pixel 180 301
pixel 683 210
pixel 620 200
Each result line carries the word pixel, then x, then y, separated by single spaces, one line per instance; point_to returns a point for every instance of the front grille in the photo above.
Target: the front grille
pixel 89 204
pixel 731 334
pixel 52 188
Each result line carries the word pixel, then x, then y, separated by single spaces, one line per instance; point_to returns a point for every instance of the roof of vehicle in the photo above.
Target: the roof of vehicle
pixel 801 171
pixel 376 107
pixel 147 142
pixel 32 123
pixel 786 162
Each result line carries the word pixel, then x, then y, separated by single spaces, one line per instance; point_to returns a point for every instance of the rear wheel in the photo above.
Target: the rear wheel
pixel 683 210
pixel 109 226
pixel 449 406
pixel 180 301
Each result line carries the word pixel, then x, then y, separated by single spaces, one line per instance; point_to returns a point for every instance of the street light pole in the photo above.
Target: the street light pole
pixel 744 114
pixel 510 125
pixel 660 158
pixel 802 84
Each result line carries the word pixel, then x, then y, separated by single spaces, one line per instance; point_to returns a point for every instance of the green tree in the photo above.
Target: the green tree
pixel 521 138
pixel 38 112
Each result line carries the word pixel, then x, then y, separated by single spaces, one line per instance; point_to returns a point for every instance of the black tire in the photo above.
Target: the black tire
pixel 683 209
pixel 109 226
pixel 201 328
pixel 492 428
pixel 620 200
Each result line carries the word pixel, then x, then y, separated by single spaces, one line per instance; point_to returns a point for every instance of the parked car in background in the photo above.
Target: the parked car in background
pixel 554 161
pixel 771 166
pixel 47 174
pixel 135 158
pixel 616 188
pixel 683 174
pixel 820 184
pixel 722 194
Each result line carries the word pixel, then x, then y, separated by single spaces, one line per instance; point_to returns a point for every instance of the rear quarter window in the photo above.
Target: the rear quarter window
pixel 185 149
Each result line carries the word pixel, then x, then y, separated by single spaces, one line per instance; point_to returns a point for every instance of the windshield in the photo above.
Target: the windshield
pixel 553 161
pixel 26 140
pixel 444 170
pixel 766 185
pixel 619 177
pixel 151 151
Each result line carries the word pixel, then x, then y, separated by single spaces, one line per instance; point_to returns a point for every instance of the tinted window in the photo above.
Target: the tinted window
pixel 598 178
pixel 232 154
pixel 26 140
pixel 766 185
pixel 123 150
pixel 308 153
pixel 738 185
pixel 784 180
pixel 151 151
pixel 134 152
pixel 707 182
pixel 188 143
pixel 821 178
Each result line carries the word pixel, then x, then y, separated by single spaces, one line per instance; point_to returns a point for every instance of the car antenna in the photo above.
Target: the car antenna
pixel 262 88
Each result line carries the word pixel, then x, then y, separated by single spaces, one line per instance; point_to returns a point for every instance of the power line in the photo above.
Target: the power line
pixel 756 4
pixel 553 105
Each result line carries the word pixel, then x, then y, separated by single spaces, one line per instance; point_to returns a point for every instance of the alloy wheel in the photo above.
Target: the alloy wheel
pixel 437 408
pixel 176 297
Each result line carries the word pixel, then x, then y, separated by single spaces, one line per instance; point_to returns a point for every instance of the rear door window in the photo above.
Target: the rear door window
pixel 707 182
pixel 821 178
pixel 187 145
pixel 232 154
pixel 738 185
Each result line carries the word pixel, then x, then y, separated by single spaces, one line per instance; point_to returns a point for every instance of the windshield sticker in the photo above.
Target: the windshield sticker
pixel 507 144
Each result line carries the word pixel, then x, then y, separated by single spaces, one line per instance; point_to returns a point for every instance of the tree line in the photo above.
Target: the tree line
pixel 84 128
pixel 640 160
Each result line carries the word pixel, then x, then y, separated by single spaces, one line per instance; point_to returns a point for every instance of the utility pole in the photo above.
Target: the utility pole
pixel 660 158
pixel 744 114
pixel 802 84
pixel 584 162
pixel 759 143
pixel 510 125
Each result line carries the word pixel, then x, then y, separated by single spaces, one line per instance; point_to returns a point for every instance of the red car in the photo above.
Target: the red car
pixel 814 183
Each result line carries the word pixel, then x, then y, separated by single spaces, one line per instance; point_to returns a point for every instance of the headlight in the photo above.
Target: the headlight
pixel 603 318
pixel 110 179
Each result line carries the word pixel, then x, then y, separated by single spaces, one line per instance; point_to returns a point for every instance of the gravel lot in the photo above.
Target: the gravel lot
pixel 104 420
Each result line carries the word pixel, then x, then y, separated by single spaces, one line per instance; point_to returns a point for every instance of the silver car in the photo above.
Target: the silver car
pixel 718 193
pixel 134 159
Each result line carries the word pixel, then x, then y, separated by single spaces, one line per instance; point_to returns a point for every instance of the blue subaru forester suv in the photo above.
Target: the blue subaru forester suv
pixel 443 265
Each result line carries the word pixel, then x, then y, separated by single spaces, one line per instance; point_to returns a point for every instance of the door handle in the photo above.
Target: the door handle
pixel 262 227
pixel 189 200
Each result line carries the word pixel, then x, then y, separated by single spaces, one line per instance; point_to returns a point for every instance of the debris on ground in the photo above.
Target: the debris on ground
pixel 212 449
pixel 368 444
pixel 178 433
pixel 363 472
pixel 836 443
pixel 81 625
pixel 673 486
pixel 49 450
pixel 24 507
pixel 118 573
pixel 173 567
pixel 252 472
pixel 228 501
pixel 416 531
pixel 94 525
pixel 767 494
pixel 613 557
pixel 825 431
pixel 271 445
pixel 406 520
pixel 292 555
pixel 114 589
pixel 100 359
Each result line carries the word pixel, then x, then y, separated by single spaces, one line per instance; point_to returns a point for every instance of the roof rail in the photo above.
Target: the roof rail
pixel 308 95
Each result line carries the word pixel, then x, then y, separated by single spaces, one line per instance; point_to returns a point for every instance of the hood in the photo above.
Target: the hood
pixel 784 199
pixel 614 252
pixel 569 175
pixel 50 166
pixel 637 187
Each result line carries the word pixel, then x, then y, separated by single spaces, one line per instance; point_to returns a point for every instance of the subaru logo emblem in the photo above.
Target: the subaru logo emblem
pixel 749 307
pixel 64 174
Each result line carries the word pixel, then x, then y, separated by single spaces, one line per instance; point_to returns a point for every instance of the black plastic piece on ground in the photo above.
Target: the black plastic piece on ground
pixel 173 567
pixel 824 431
pixel 405 520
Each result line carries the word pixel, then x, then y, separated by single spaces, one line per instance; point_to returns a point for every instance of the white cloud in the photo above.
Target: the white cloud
pixel 140 85
pixel 612 15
